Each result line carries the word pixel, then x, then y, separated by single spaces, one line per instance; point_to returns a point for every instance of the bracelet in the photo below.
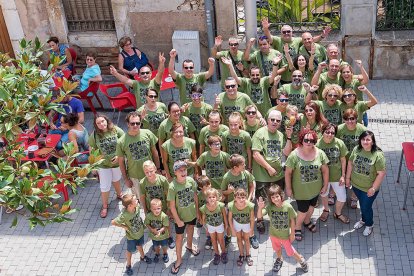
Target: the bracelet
pixel 290 139
pixel 275 64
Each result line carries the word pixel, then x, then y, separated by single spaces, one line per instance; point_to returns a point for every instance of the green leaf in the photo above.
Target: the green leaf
pixel 23 43
pixel 4 95
pixel 14 223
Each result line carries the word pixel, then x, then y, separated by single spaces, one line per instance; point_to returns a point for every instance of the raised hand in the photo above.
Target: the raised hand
pixel 277 78
pixel 362 88
pixel 277 59
pixel 261 202
pixel 322 65
pixel 218 101
pixel 313 48
pixel 286 48
pixel 226 61
pixel 252 40
pixel 326 31
pixel 112 70
pixel 173 53
pixel 211 60
pixel 161 58
pixel 265 23
pixel 358 62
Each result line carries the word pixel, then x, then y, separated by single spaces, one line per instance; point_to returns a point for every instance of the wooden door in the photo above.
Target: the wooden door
pixel 5 43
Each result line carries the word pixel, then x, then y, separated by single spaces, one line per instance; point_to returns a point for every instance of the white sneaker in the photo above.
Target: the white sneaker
pixel 359 224
pixel 367 231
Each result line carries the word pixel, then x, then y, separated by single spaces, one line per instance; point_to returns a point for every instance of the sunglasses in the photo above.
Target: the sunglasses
pixel 152 96
pixel 145 73
pixel 350 119
pixel 297 76
pixel 283 100
pixel 230 86
pixel 332 96
pixel 255 75
pixel 286 32
pixel 135 124
pixel 309 141
pixel 196 95
pixel 216 144
pixel 89 59
pixel 348 95
pixel 251 112
pixel 275 120
pixel 330 132
pixel 188 67
pixel 233 44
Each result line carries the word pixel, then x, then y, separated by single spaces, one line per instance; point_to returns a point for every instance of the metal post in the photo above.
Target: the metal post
pixel 251 18
pixel 208 5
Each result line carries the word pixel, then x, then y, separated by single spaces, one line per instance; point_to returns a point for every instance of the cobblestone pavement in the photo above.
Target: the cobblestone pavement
pixel 90 246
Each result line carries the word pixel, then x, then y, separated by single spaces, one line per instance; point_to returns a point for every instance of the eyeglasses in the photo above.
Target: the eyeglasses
pixel 135 123
pixel 188 67
pixel 332 95
pixel 233 44
pixel 283 100
pixel 152 96
pixel 350 119
pixel 297 76
pixel 273 120
pixel 309 141
pixel 230 86
pixel 218 144
pixel 251 112
pixel 348 95
pixel 145 73
pixel 330 132
pixel 286 32
pixel 196 95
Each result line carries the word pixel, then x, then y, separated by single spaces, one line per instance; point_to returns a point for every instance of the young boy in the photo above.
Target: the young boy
pixel 158 225
pixel 183 203
pixel 130 220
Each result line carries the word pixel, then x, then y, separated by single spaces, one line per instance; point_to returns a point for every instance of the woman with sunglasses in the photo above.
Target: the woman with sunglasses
pixel 331 105
pixel 306 176
pixel 214 127
pixel 251 123
pixel 349 132
pixel 130 59
pixel 152 112
pixel 178 147
pixel 336 152
pixel 197 110
pixel 313 119
pixel 365 172
pixel 105 137
pixel 350 100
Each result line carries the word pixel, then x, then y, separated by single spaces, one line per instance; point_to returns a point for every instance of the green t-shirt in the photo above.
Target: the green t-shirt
pixel 242 180
pixel 195 114
pixel 354 85
pixel 334 151
pixel 366 165
pixel 183 195
pixel 350 137
pixel 205 133
pixel 136 150
pixel 229 106
pixel 256 59
pixel 133 221
pixel 307 179
pixel 320 53
pixel 278 44
pixel 154 118
pixel 215 166
pixel 201 198
pixel 296 96
pixel 158 222
pixel 241 216
pixel 332 113
pixel 184 85
pixel 106 143
pixel 139 88
pixel 224 69
pixel 270 145
pixel 315 126
pixel 179 153
pixel 295 129
pixel 280 219
pixel 252 129
pixel 237 144
pixel 213 218
pixel 324 80
pixel 258 93
pixel 359 107
pixel 159 190
pixel 164 131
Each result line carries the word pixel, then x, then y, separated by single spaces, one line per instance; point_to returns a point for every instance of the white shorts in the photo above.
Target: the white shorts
pixel 241 227
pixel 107 176
pixel 135 190
pixel 340 191
pixel 215 229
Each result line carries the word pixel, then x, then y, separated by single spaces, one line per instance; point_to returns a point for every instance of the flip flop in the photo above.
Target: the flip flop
pixel 104 212
pixel 193 252
pixel 175 269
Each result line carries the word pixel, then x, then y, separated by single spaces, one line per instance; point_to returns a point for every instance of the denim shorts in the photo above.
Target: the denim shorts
pixel 132 244
pixel 162 243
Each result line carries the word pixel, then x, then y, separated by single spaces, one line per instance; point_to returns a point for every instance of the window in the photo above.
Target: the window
pixel 89 15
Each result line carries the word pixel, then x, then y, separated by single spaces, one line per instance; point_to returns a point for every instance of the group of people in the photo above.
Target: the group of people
pixel 289 123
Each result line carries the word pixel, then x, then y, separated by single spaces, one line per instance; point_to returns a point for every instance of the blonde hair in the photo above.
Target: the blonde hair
pixel 237 116
pixel 156 202
pixel 331 87
pixel 127 200
pixel 291 107
pixel 147 164
pixel 215 192
pixel 240 192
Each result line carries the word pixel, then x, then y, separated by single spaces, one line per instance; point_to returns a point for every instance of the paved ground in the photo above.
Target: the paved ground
pixel 90 246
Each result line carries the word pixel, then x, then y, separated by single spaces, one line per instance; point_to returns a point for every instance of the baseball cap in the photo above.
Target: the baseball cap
pixel 179 164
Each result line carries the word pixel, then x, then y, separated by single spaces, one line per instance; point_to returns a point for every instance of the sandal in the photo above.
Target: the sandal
pixel 193 251
pixel 240 260
pixel 175 269
pixel 342 218
pixel 249 260
pixel 310 226
pixel 104 212
pixel 324 216
pixel 298 235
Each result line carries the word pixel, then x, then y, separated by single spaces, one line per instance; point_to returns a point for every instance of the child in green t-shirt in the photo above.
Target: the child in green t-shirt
pixel 130 220
pixel 158 224
pixel 282 226
pixel 203 184
pixel 213 216
pixel 293 122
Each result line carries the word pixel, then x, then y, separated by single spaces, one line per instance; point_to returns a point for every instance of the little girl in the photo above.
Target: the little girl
pixel 282 226
pixel 293 121
pixel 241 221
pixel 214 217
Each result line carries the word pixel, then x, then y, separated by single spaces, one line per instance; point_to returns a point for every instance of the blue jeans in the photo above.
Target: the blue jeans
pixel 365 119
pixel 366 202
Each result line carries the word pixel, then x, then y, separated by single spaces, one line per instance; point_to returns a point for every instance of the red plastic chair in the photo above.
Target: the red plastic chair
pixel 74 56
pixel 92 89
pixel 60 188
pixel 121 101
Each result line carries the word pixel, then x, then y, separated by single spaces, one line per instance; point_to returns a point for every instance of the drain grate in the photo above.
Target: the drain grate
pixel 392 121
